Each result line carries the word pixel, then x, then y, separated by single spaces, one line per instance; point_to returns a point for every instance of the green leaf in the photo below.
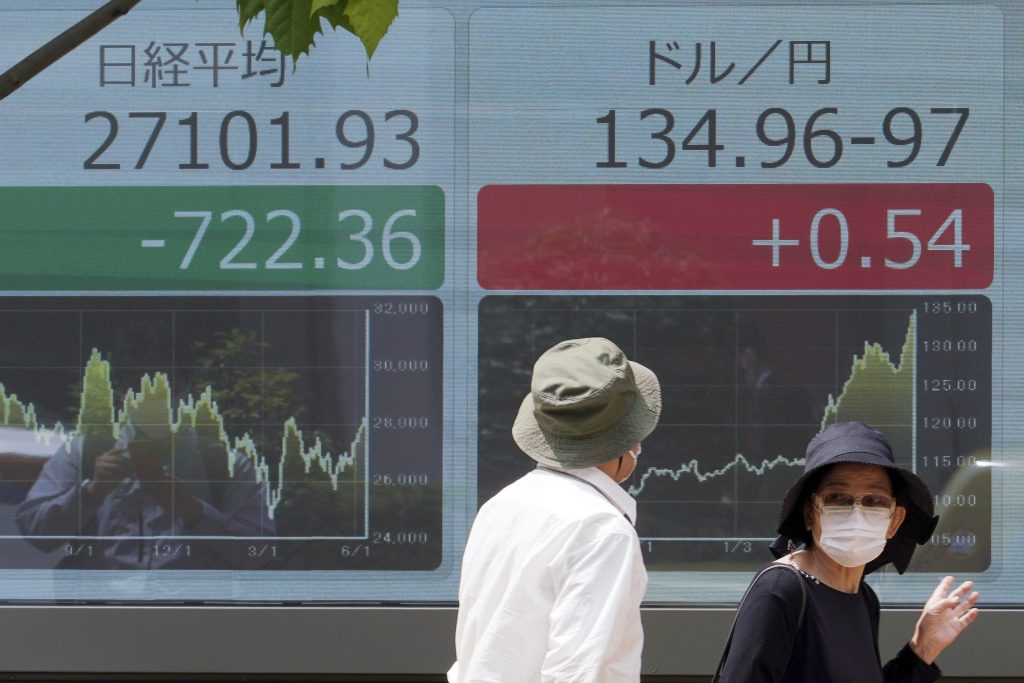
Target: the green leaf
pixel 294 24
pixel 291 26
pixel 335 16
pixel 321 4
pixel 370 20
pixel 247 11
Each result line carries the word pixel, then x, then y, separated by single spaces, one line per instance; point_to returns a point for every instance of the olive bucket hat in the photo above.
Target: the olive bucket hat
pixel 855 442
pixel 588 404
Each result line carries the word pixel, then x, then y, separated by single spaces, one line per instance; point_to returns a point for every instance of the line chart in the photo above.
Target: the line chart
pixel 287 421
pixel 746 382
pixel 693 468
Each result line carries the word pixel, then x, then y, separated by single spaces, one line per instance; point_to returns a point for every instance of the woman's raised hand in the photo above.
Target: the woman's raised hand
pixel 945 615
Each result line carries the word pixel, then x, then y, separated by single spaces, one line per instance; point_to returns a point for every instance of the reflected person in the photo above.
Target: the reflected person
pixel 133 500
pixel 852 511
pixel 769 402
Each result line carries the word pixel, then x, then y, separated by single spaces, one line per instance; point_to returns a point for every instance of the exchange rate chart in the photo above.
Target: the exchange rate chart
pixel 741 401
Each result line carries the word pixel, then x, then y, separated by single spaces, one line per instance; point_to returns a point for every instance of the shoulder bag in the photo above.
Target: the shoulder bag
pixel 799 622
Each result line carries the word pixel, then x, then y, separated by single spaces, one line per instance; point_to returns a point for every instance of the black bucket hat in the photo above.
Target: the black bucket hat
pixel 855 442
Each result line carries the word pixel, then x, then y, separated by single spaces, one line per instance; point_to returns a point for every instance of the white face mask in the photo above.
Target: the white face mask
pixel 855 539
pixel 636 456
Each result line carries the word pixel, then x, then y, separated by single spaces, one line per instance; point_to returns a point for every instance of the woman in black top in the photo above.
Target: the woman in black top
pixel 852 511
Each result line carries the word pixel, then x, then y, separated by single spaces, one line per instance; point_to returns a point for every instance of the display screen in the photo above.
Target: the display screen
pixel 293 454
pixel 265 326
pixel 741 401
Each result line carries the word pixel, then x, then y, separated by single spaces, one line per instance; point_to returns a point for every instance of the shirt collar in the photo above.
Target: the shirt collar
pixel 615 494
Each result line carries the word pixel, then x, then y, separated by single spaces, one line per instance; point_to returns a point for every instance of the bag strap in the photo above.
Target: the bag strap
pixel 799 621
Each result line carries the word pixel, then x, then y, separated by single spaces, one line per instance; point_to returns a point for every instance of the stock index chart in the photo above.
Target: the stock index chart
pixel 743 396
pixel 284 430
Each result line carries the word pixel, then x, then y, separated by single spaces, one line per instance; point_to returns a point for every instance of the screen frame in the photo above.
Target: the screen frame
pixel 419 640
pixel 393 639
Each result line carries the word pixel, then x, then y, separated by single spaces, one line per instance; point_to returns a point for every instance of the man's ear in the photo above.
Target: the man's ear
pixel 898 516
pixel 618 468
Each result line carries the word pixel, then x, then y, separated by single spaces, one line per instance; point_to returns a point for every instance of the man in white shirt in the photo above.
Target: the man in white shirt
pixel 552 576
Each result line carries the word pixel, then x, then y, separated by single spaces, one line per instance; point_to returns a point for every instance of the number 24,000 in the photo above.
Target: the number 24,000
pixel 410 254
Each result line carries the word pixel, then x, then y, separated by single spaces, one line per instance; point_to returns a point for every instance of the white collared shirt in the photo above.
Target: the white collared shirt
pixel 552 580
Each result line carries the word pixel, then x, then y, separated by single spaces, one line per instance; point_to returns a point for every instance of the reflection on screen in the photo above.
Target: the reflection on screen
pixel 742 398
pixel 227 434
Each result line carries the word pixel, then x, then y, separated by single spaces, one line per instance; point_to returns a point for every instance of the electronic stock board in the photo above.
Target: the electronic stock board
pixel 318 292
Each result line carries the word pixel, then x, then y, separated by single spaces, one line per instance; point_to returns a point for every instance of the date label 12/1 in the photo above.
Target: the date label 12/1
pixel 222 238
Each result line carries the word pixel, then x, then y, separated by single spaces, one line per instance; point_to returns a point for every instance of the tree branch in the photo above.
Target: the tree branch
pixel 28 68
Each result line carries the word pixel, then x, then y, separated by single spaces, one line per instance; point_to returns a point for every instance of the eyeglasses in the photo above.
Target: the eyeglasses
pixel 839 504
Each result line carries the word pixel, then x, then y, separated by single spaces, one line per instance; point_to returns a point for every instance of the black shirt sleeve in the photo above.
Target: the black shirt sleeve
pixel 907 667
pixel 766 629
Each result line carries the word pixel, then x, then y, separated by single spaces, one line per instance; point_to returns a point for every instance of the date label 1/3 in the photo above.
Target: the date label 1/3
pixel 223 238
